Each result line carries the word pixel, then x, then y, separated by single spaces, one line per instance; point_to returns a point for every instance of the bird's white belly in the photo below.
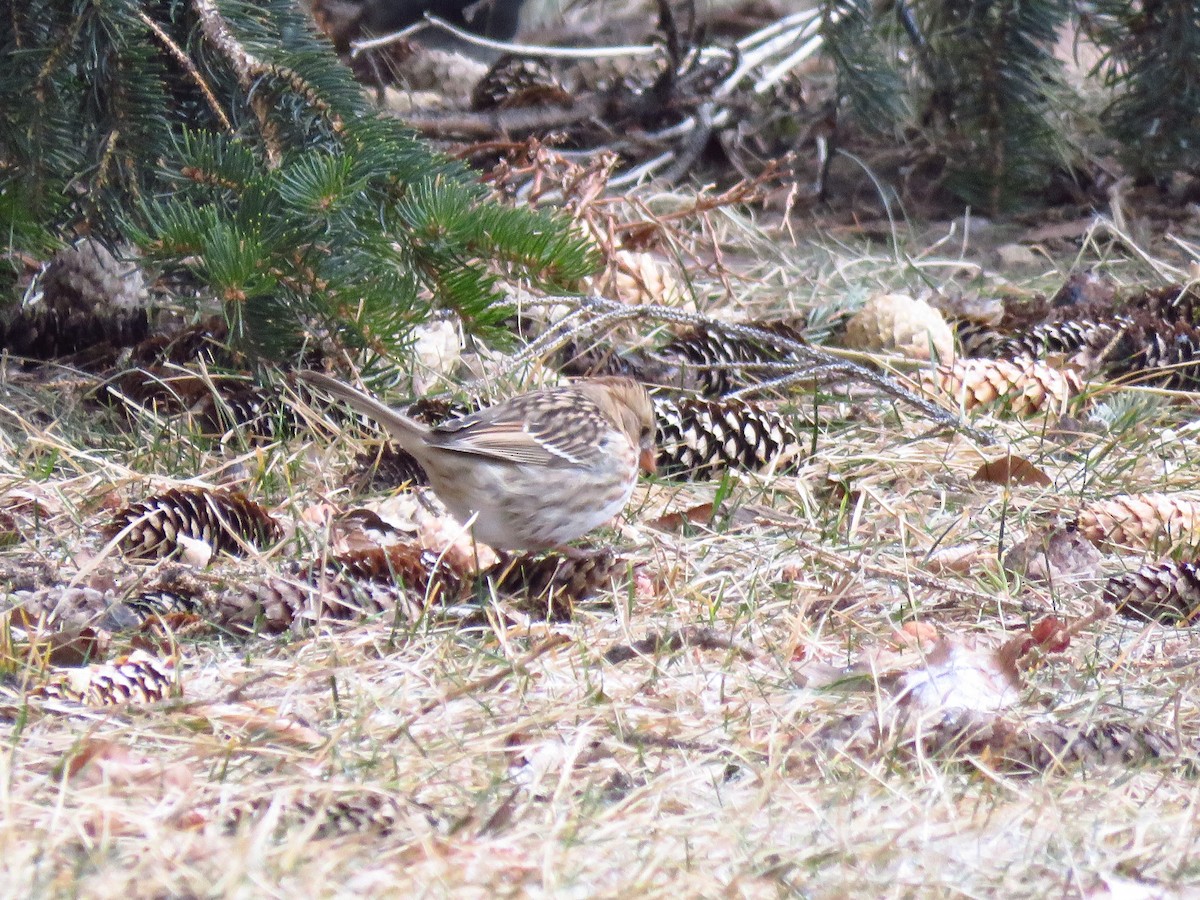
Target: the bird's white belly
pixel 539 507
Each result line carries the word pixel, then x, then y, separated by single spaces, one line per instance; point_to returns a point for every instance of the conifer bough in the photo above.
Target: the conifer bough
pixel 223 139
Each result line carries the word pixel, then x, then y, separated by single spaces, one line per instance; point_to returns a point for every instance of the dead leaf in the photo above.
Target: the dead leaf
pixel 256 721
pixel 1062 231
pixel 1052 635
pixel 114 770
pixel 1010 469
pixel 702 514
pixel 99 762
pixel 961 559
pixel 1060 557
pixel 28 641
pixel 956 676
pixel 915 634
pixel 38 503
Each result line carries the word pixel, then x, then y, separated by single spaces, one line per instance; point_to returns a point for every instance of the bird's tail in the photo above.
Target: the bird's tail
pixel 406 432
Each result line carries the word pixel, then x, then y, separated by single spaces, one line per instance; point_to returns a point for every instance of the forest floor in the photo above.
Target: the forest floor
pixel 829 682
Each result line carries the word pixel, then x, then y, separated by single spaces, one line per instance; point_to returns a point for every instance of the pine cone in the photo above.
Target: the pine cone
pixel 1102 742
pixel 340 815
pixel 451 75
pixel 88 278
pixel 345 600
pixel 1027 387
pixel 279 602
pixel 136 678
pixel 256 413
pixel 206 341
pixel 550 586
pixel 616 75
pixel 1151 521
pixel 165 603
pixel 721 362
pixel 700 439
pixel 637 278
pixel 1170 303
pixel 1036 746
pixel 1161 592
pixel 387 470
pixel 225 520
pixel 515 82
pixel 1039 341
pixel 43 333
pixel 1151 349
pixel 422 572
pixel 901 323
pixel 89 299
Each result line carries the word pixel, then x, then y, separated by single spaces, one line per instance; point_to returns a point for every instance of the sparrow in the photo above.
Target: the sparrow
pixel 533 472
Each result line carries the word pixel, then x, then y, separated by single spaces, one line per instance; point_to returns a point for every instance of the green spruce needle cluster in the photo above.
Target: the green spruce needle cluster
pixel 223 139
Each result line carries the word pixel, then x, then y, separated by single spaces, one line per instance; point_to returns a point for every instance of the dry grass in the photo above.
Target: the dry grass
pixel 726 724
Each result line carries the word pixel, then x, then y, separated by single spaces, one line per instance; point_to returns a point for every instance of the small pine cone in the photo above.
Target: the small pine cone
pixel 516 82
pixel 165 603
pixel 1066 337
pixel 206 341
pixel 1051 744
pixel 387 470
pixel 423 572
pixel 551 585
pixel 723 362
pixel 1027 387
pixel 1150 521
pixel 225 520
pixel 89 300
pixel 162 389
pixel 699 439
pixel 618 75
pixel 87 277
pixel 340 815
pixel 268 605
pixel 905 324
pixel 979 339
pixel 637 278
pixel 361 814
pixel 344 600
pixel 1040 340
pixel 1154 350
pixel 1161 592
pixel 279 602
pixel 136 678
pixel 254 411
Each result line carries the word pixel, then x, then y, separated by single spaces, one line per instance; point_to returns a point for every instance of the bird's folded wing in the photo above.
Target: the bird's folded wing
pixel 545 431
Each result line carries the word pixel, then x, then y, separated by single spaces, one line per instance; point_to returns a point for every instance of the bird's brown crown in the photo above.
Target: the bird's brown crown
pixel 626 404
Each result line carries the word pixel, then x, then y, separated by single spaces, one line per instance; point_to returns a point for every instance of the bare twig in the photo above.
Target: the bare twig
pixel 807 362
pixel 190 67
pixel 674 641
